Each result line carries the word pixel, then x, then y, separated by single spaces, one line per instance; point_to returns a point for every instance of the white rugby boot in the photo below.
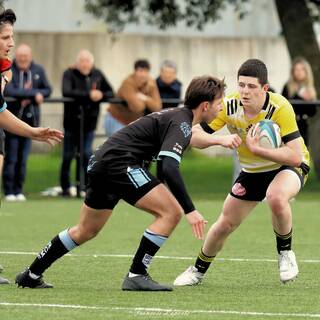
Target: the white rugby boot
pixel 288 267
pixel 190 277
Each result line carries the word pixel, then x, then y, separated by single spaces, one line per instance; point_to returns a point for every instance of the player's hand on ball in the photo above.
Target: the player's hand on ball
pixel 231 141
pixel 197 223
pixel 252 140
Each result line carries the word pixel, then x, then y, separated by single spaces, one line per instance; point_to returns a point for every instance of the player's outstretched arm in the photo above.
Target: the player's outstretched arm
pixel 173 178
pixel 14 125
pixel 50 136
pixel 201 139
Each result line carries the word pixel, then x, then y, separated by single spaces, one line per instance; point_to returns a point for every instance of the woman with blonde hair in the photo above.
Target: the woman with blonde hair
pixel 300 86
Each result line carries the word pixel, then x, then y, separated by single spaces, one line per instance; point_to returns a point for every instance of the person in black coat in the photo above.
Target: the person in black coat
pixel 168 84
pixel 30 86
pixel 88 86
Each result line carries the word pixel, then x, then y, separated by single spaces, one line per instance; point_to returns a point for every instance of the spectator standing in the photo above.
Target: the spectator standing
pixel 300 86
pixel 141 94
pixel 168 84
pixel 88 86
pixel 30 86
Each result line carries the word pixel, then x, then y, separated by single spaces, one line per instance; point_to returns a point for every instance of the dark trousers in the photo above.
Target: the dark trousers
pixel 17 150
pixel 71 149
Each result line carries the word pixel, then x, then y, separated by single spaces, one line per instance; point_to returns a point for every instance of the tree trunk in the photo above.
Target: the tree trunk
pixel 297 26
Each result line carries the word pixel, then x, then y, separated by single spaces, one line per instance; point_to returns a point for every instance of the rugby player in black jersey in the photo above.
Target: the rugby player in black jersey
pixel 116 171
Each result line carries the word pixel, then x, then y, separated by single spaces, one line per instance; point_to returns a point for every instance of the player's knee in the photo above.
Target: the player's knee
pixel 277 201
pixel 82 234
pixel 226 226
pixel 172 216
pixel 175 217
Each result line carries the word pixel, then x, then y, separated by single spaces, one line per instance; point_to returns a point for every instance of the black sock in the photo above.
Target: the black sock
pixel 203 262
pixel 54 250
pixel 283 241
pixel 149 245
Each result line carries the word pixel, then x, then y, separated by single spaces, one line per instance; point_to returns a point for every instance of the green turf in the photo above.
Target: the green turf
pixel 88 281
pixel 83 279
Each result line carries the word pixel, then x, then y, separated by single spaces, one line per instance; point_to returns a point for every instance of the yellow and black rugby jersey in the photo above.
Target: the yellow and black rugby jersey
pixel 276 108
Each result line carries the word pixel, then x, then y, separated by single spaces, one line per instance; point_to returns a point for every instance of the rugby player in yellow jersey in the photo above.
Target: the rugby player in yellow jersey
pixel 274 174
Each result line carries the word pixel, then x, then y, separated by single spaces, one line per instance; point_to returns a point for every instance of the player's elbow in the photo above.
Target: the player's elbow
pixel 296 160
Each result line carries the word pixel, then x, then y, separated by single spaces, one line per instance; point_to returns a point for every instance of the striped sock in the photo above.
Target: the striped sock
pixel 283 241
pixel 149 246
pixel 55 249
pixel 203 262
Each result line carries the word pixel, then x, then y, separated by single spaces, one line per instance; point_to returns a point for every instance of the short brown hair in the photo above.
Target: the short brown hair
pixel 254 68
pixel 205 88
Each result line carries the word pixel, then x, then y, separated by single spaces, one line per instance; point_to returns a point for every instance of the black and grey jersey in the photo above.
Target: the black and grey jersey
pixel 164 133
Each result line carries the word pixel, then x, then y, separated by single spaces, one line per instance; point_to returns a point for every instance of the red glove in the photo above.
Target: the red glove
pixel 5 64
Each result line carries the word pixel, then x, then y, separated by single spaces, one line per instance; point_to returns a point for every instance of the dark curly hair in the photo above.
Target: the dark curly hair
pixel 7 16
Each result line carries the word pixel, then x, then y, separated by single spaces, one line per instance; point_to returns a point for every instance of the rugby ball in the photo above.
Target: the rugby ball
pixel 270 136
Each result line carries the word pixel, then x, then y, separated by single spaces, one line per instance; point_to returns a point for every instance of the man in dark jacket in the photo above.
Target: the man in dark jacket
pixel 30 86
pixel 88 86
pixel 168 85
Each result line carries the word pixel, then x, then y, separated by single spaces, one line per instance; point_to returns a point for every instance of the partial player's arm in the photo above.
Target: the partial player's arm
pixel 202 137
pixel 173 178
pixel 289 154
pixel 176 141
pixel 14 125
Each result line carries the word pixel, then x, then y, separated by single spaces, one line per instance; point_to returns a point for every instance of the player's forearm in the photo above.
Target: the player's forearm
pixel 284 155
pixel 14 125
pixel 176 185
pixel 202 140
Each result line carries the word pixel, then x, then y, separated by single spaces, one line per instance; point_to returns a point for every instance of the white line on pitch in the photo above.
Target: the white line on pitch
pixel 22 253
pixel 165 312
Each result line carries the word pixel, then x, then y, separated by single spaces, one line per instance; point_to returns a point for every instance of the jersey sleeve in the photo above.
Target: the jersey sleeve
pixel 286 119
pixel 176 140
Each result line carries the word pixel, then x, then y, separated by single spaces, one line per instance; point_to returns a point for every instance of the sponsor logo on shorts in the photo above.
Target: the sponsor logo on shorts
pixel 238 189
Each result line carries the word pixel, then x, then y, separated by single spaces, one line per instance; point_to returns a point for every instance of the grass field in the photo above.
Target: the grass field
pixel 242 284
